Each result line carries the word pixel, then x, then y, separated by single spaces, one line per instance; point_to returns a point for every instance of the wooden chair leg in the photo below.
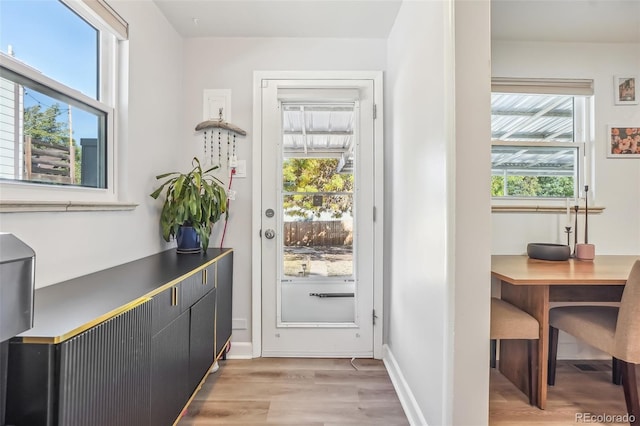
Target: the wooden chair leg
pixel 493 353
pixel 630 387
pixel 533 371
pixel 553 354
pixel 616 371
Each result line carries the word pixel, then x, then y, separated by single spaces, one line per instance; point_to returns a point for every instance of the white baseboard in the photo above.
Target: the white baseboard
pixel 576 350
pixel 572 350
pixel 408 401
pixel 240 350
pixel 303 354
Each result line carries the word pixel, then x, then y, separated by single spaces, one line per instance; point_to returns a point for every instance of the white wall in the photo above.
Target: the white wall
pixel 436 199
pixel 615 182
pixel 471 256
pixel 229 63
pixel 416 201
pixel 73 244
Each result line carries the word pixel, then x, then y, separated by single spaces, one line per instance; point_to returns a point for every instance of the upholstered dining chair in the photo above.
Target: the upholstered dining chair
pixel 613 330
pixel 510 322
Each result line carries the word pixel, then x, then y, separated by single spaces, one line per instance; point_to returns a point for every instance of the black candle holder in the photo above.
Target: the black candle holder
pixel 567 230
pixel 575 234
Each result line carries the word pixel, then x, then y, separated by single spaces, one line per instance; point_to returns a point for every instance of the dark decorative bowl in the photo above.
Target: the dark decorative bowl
pixel 548 251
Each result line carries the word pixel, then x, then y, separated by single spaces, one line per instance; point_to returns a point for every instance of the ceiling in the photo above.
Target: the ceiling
pixel 291 18
pixel 589 21
pixel 607 21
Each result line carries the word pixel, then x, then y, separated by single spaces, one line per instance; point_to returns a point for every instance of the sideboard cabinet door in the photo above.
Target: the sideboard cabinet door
pixel 105 372
pixel 100 377
pixel 170 371
pixel 201 344
pixel 224 287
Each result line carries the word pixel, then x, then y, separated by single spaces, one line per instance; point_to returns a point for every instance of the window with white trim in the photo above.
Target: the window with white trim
pixel 58 86
pixel 539 132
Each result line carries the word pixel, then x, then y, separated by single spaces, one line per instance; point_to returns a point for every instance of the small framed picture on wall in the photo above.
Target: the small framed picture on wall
pixel 624 142
pixel 624 88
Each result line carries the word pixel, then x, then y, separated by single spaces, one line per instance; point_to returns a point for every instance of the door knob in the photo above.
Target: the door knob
pixel 270 233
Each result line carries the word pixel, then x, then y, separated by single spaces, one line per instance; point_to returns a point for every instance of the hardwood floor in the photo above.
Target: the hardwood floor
pixel 328 392
pixel 313 392
pixel 581 387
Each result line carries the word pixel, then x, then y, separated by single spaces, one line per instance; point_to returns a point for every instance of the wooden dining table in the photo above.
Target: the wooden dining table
pixel 532 285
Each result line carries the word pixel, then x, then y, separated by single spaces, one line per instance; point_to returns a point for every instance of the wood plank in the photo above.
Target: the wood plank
pixel 364 413
pixel 575 392
pixel 300 391
pixel 285 390
pixel 39 177
pixel 39 153
pixel 43 144
pixel 46 171
pixel 208 412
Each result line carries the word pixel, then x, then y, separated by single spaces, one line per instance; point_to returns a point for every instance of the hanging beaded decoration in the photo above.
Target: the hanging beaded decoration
pixel 210 148
pixel 228 149
pixel 219 149
pixel 234 156
pixel 205 145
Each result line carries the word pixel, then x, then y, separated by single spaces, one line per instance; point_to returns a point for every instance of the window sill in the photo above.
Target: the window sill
pixel 8 206
pixel 540 209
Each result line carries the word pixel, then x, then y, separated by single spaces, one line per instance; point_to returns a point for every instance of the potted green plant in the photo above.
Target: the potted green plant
pixel 193 203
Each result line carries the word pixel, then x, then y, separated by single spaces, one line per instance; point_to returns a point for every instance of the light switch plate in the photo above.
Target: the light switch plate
pixel 241 169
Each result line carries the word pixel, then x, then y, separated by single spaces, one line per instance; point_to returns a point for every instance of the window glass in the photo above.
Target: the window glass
pixel 51 38
pixel 517 117
pixel 535 145
pixel 533 171
pixel 53 124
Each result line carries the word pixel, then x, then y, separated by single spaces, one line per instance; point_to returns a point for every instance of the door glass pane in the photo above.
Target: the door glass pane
pixel 322 245
pixel 317 270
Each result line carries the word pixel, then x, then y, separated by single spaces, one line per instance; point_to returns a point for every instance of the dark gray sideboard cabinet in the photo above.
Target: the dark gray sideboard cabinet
pixel 126 346
pixel 99 377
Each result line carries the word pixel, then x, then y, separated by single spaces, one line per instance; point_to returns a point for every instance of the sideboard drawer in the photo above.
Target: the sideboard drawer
pixel 166 307
pixel 196 286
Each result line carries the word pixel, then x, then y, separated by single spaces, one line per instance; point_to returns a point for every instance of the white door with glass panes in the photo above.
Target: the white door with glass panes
pixel 317 224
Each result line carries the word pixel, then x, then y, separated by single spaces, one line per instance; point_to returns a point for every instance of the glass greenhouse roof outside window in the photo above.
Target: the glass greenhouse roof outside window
pixel 534 151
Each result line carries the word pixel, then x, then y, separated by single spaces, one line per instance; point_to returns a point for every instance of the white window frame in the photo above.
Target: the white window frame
pixel 17 196
pixel 582 90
